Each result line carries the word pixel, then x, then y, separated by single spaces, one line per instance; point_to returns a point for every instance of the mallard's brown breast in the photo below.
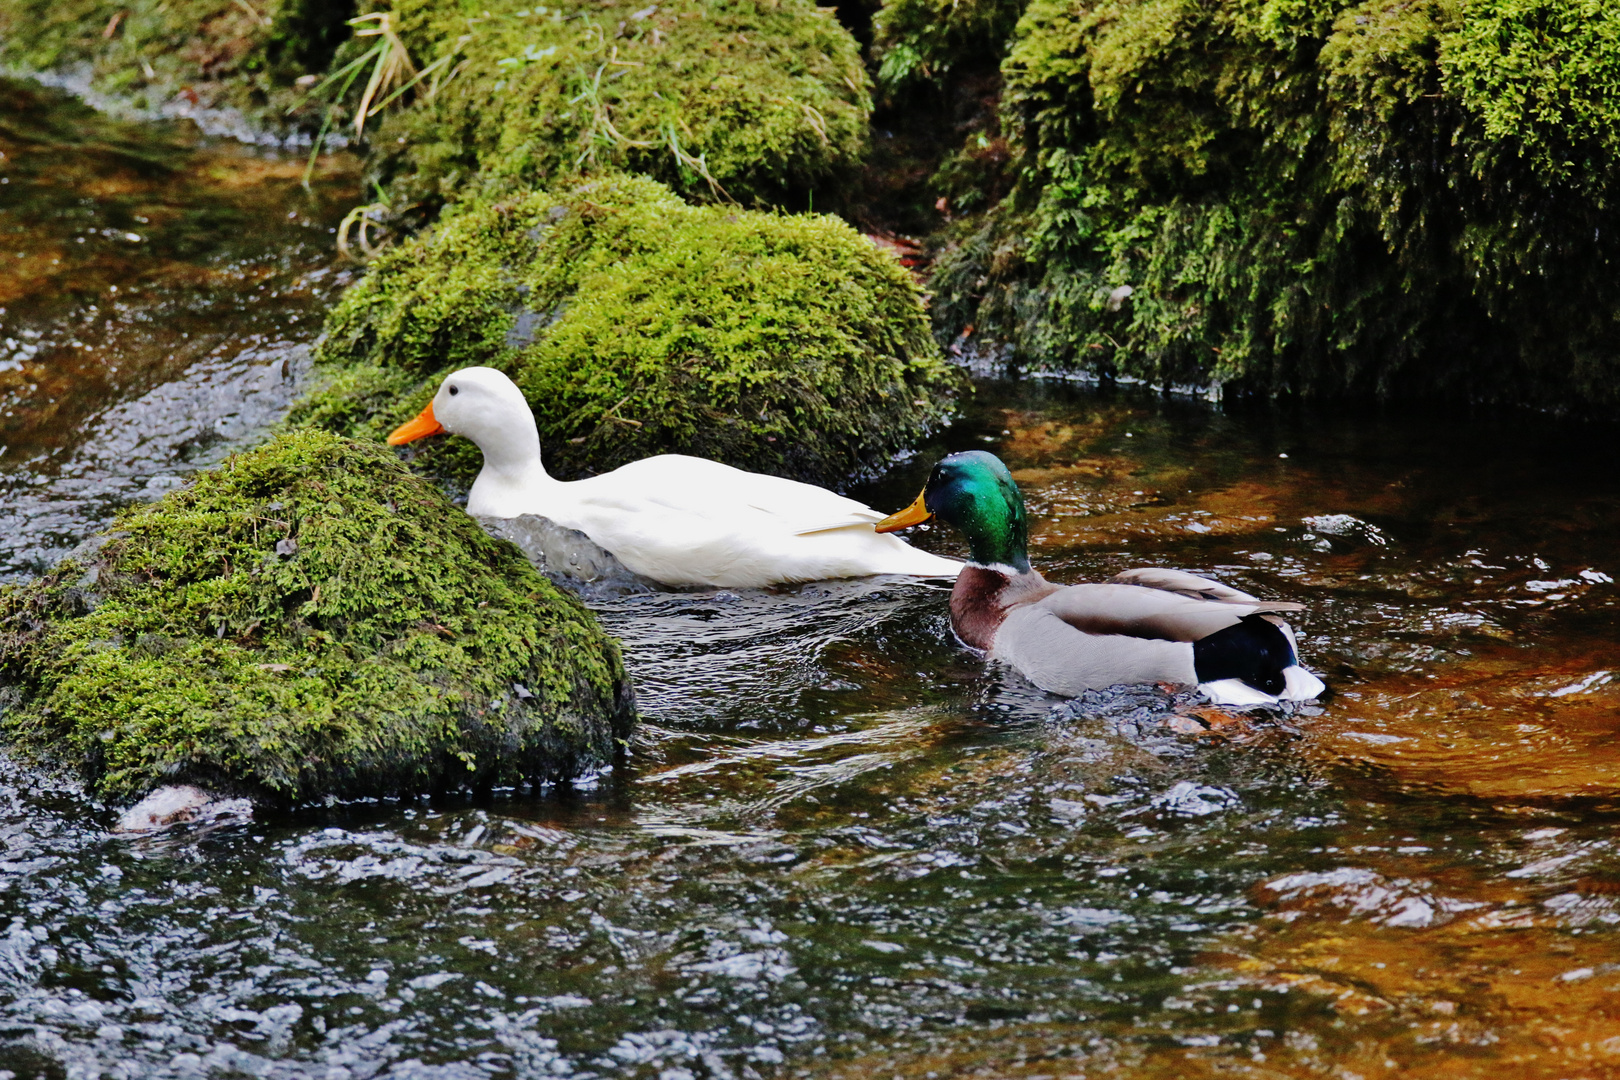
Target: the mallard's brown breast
pixel 982 597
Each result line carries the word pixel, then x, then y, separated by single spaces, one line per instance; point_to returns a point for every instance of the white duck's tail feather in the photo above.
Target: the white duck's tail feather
pixel 834 526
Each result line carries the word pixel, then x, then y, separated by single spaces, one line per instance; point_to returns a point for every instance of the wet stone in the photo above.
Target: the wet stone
pixel 568 556
pixel 1157 708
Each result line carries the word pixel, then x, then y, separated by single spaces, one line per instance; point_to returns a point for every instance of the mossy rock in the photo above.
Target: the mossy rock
pixel 1380 198
pixel 308 619
pixel 218 53
pixel 759 101
pixel 637 324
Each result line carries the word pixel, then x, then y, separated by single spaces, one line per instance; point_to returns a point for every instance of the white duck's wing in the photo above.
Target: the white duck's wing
pixel 711 489
pixel 689 521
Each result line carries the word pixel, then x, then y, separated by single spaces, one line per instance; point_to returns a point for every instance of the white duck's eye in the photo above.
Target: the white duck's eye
pixel 454 391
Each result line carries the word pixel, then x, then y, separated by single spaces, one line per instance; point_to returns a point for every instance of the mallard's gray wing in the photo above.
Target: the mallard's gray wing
pixel 1199 588
pixel 1136 611
pixel 1057 657
pixel 1083 637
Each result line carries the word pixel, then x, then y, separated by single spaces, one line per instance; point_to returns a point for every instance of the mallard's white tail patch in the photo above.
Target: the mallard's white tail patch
pixel 1301 684
pixel 1235 692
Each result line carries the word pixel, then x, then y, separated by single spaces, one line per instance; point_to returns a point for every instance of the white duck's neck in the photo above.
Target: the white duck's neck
pixel 511 477
pixel 513 453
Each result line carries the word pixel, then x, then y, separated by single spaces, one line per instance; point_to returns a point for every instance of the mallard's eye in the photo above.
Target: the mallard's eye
pixel 454 391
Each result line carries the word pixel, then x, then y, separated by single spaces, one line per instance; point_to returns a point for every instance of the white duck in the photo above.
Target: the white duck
pixel 674 519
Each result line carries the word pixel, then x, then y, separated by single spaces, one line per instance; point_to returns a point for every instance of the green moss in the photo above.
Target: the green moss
pixel 637 324
pixel 758 101
pixel 217 53
pixel 931 39
pixel 191 647
pixel 768 97
pixel 1541 75
pixel 1395 197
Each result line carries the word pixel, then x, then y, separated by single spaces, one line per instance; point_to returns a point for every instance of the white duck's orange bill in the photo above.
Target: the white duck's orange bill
pixel 424 425
pixel 915 514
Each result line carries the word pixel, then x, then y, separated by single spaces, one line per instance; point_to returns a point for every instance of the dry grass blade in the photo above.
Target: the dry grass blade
pixel 360 222
pixel 392 69
pixel 697 164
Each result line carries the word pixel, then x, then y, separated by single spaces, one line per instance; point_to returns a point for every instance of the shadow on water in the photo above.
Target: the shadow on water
pixel 841 847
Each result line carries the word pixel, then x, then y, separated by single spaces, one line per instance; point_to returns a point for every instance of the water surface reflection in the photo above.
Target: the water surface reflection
pixel 158 292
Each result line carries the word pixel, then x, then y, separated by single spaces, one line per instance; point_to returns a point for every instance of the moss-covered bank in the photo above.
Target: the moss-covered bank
pixel 243 634
pixel 637 324
pixel 762 101
pixel 231 54
pixel 759 101
pixel 1394 198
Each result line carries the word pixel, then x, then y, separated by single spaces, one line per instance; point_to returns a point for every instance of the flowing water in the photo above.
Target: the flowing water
pixel 842 847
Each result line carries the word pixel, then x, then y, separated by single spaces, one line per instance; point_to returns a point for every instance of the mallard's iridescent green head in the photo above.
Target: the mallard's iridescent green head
pixel 975 492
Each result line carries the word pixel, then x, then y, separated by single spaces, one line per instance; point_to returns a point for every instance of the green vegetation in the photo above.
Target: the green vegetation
pixel 243 54
pixel 1396 197
pixel 931 39
pixel 242 634
pixel 756 101
pixel 759 101
pixel 637 324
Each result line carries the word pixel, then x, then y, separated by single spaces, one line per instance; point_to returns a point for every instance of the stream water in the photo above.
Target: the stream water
pixel 842 847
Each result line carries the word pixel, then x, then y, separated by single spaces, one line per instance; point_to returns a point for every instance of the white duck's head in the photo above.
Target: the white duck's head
pixel 485 406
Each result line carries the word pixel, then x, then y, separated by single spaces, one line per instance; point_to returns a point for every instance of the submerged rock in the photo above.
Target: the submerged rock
pixel 1152 707
pixel 182 804
pixel 637 324
pixel 565 555
pixel 307 619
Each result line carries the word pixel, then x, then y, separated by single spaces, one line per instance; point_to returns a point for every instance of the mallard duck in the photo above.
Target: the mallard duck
pixel 674 519
pixel 1146 625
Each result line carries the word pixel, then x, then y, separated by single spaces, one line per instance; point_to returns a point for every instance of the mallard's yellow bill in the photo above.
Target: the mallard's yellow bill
pixel 424 425
pixel 915 514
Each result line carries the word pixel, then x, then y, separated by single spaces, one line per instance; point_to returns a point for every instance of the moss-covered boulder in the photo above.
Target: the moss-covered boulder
pixel 232 54
pixel 637 324
pixel 309 618
pixel 761 101
pixel 1389 197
